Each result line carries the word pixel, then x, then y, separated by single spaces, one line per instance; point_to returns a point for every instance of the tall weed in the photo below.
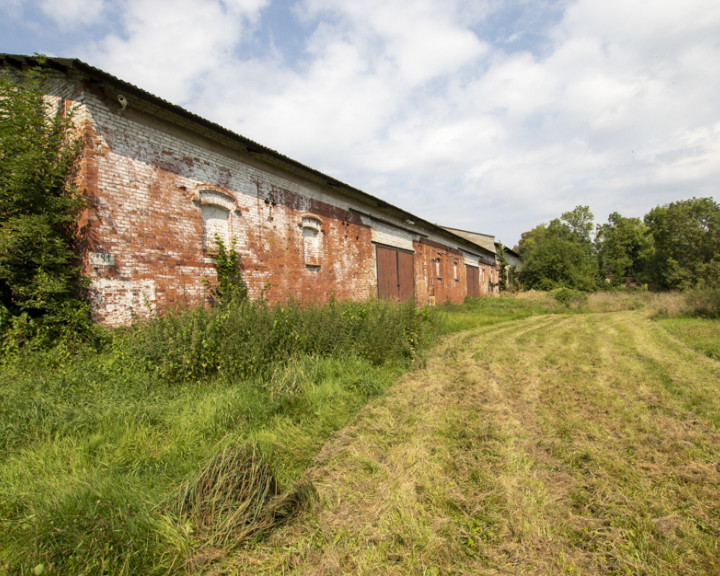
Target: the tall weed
pixel 704 301
pixel 250 339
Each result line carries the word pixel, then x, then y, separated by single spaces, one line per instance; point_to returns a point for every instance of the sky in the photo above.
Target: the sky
pixel 491 116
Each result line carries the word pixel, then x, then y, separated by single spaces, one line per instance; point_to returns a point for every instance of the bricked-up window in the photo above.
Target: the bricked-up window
pixel 311 241
pixel 438 271
pixel 214 222
pixel 216 208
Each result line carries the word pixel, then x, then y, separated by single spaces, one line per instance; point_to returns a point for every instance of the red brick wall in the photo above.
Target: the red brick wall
pixel 144 176
pixel 442 287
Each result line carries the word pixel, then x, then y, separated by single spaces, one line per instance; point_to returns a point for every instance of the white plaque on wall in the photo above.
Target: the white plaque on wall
pixel 101 259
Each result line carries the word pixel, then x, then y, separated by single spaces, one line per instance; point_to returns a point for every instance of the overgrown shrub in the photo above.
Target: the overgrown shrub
pixel 704 301
pixel 570 298
pixel 41 284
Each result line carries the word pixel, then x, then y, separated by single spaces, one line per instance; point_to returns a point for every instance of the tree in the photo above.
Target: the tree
pixel 40 274
pixel 560 254
pixel 623 247
pixel 580 223
pixel 686 236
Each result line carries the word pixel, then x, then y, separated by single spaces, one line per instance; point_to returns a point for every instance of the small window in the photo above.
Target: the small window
pixel 311 241
pixel 455 270
pixel 437 269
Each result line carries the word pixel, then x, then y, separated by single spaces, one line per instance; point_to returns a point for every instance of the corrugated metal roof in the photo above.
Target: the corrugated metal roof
pixel 69 65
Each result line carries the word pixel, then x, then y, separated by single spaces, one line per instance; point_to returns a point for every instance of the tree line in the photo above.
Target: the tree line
pixel 676 246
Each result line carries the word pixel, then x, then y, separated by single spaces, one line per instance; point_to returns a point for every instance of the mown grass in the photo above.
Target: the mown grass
pixel 557 444
pixel 702 334
pixel 99 451
pixel 476 312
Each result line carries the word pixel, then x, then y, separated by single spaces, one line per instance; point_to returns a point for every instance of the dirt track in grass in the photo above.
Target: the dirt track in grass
pixel 576 444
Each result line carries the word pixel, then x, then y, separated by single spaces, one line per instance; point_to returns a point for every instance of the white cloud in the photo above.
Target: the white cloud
pixel 167 46
pixel 492 115
pixel 73 13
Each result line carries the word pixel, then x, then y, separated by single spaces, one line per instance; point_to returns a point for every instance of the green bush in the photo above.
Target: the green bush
pixel 569 298
pixel 41 285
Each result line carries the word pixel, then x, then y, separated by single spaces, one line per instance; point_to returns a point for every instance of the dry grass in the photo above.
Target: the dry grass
pixel 578 444
pixel 652 303
pixel 235 497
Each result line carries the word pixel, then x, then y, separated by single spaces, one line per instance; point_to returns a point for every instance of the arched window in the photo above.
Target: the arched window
pixel 311 240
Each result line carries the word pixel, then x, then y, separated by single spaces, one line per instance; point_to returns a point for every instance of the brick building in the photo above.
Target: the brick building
pixel 164 181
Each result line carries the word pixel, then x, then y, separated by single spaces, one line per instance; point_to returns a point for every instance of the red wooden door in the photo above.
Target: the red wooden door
pixel 395 273
pixel 473 281
pixel 406 275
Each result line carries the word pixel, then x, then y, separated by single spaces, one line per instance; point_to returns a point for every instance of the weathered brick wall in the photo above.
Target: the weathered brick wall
pixel 439 272
pixel 144 239
pixel 144 177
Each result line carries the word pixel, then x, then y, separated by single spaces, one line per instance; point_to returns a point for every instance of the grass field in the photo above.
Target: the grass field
pixel 533 439
pixel 555 444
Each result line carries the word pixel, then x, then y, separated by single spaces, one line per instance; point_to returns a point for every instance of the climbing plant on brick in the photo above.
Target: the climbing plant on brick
pixel 40 275
pixel 230 285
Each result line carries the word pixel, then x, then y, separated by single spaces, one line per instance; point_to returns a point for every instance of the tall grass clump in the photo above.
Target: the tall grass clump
pixel 236 496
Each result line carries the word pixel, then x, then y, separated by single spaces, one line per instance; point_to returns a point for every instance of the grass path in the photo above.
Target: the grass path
pixel 579 444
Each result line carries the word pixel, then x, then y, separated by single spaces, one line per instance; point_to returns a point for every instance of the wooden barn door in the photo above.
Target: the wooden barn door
pixel 473 281
pixel 395 272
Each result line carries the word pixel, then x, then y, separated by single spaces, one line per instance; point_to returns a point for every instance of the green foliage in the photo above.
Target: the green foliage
pixel 570 298
pixel 580 222
pixel 247 339
pixel 230 286
pixel 686 238
pixel 40 276
pixel 503 282
pixel 623 247
pixel 560 254
pixel 133 460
